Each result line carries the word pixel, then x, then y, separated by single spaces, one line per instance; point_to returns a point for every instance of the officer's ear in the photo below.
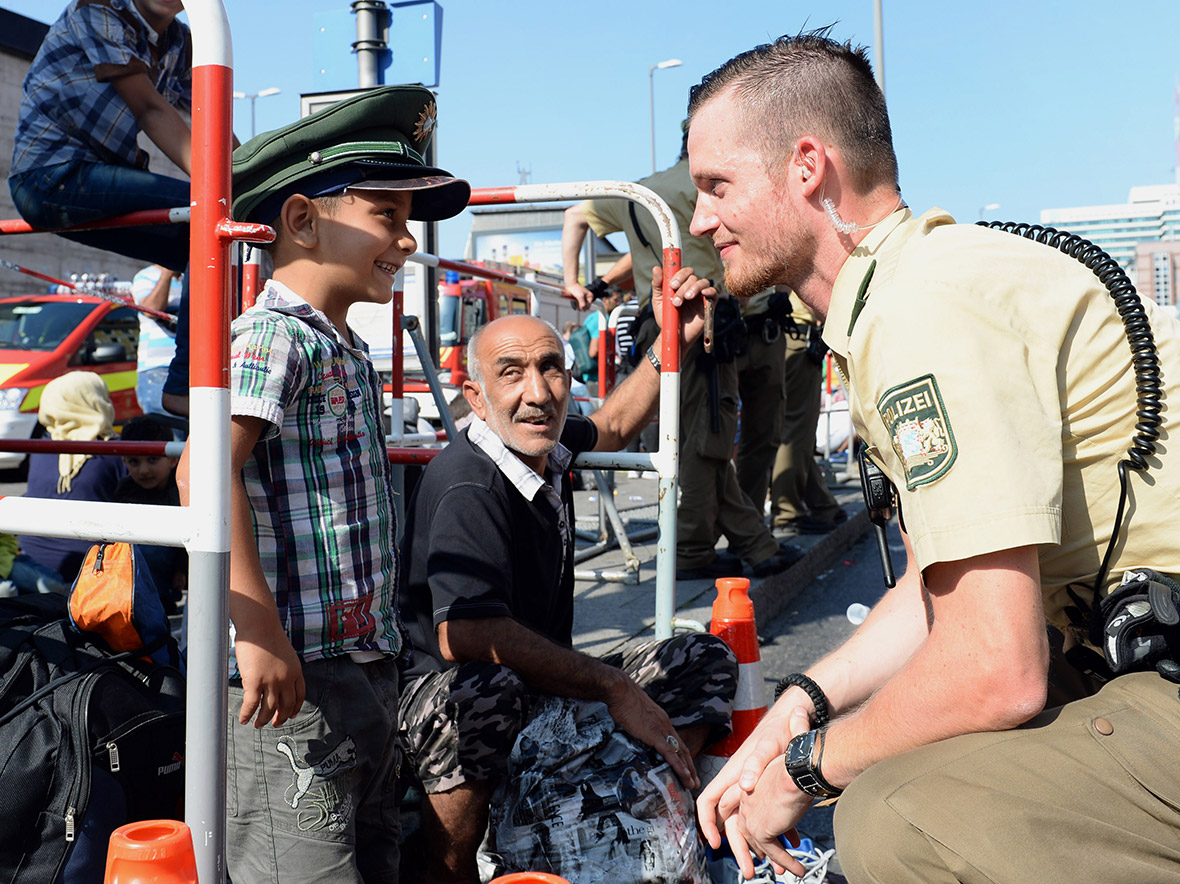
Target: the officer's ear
pixel 808 164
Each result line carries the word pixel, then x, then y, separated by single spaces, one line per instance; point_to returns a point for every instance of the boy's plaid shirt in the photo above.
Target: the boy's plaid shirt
pixel 70 112
pixel 319 478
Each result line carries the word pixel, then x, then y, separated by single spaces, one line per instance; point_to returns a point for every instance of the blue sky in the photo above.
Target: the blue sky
pixel 1034 104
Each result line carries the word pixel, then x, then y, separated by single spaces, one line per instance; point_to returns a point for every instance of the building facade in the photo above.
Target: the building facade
pixel 1129 231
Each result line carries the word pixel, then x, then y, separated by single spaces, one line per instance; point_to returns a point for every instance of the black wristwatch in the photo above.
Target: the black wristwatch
pixel 802 759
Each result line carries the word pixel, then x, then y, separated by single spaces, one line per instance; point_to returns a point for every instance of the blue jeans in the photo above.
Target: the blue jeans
pixel 31 576
pixel 177 381
pixel 67 194
pixel 149 384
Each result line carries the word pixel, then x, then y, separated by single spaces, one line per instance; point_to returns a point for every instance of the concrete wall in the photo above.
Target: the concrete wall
pixel 43 252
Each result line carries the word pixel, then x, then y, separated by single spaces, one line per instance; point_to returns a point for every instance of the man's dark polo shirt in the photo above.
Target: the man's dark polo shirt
pixel 476 548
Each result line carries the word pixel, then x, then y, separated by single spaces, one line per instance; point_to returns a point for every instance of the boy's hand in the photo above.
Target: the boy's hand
pixel 272 679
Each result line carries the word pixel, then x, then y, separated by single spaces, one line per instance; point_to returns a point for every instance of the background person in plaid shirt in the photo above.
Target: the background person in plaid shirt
pixel 107 70
pixel 313 570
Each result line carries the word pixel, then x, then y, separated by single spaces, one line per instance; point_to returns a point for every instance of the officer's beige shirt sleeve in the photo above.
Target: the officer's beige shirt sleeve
pixel 603 215
pixel 964 409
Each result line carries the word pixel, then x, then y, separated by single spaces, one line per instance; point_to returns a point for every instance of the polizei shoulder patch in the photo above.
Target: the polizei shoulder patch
pixel 919 429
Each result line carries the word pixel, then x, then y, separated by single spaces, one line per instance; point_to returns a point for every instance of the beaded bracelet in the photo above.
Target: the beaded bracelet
pixel 818 698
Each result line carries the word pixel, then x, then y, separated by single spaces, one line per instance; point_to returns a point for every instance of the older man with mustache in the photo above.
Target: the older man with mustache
pixel 487 589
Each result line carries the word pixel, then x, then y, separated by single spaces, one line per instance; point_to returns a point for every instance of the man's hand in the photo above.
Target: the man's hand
pixel 637 714
pixel 688 294
pixel 772 808
pixel 582 296
pixel 763 749
pixel 272 679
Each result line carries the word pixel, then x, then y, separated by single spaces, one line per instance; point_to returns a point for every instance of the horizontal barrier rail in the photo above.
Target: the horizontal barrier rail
pixel 428 260
pixel 97 521
pixel 143 218
pixel 109 446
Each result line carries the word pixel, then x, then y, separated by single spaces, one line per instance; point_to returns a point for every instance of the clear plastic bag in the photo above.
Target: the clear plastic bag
pixel 585 801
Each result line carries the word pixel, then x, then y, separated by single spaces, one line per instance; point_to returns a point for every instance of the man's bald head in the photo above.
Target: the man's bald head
pixel 519 386
pixel 513 323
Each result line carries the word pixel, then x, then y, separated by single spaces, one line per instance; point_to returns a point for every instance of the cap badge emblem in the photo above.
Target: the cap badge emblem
pixel 426 122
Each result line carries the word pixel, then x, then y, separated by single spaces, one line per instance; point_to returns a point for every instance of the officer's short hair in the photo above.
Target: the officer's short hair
pixel 809 84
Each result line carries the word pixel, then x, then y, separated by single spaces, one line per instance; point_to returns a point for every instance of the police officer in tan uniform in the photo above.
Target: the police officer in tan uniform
pixel 711 502
pixel 991 380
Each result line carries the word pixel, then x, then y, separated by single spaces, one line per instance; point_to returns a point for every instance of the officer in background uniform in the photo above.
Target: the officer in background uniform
pixel 991 380
pixel 800 501
pixel 760 388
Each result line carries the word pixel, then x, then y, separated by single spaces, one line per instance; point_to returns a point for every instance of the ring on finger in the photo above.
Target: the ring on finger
pixel 673 742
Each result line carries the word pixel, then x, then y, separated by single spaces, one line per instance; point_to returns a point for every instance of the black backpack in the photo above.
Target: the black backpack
pixel 89 740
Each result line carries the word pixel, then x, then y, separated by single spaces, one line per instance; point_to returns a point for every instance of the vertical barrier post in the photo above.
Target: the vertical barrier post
pixel 669 455
pixel 397 387
pixel 209 461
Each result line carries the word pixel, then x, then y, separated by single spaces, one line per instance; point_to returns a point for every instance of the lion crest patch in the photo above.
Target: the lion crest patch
pixel 919 430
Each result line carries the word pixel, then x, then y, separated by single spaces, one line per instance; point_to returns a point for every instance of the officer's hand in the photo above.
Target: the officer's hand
pixel 582 296
pixel 764 748
pixel 688 294
pixel 772 808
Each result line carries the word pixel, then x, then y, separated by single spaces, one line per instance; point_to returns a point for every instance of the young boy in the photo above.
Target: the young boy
pixel 313 571
pixel 107 70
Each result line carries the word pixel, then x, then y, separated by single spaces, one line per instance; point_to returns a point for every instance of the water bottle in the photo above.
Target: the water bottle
pixel 857 613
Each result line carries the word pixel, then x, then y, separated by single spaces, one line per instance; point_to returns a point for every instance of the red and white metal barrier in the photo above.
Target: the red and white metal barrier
pixel 666 460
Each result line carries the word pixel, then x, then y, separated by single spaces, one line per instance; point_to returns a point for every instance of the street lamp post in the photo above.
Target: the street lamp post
pixel 273 90
pixel 651 89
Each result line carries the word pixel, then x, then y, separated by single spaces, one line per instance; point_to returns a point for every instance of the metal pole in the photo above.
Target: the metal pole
pixel 369 41
pixel 651 95
pixel 209 546
pixel 879 40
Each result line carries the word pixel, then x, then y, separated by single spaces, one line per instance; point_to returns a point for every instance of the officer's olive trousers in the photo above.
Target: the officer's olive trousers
pixel 760 388
pixel 1085 793
pixel 711 503
pixel 797 486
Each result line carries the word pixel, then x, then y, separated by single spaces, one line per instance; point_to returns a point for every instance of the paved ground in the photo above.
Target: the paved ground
pixel 608 614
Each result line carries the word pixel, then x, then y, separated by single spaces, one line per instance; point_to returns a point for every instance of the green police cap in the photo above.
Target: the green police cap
pixel 372 141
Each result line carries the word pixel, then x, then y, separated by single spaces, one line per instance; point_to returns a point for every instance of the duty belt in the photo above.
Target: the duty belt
pixel 764 325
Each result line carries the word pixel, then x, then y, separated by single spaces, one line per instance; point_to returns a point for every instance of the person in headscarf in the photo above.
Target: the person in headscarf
pixel 74 407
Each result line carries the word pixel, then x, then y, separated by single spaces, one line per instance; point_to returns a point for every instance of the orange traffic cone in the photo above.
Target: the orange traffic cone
pixel 733 623
pixel 151 852
pixel 529 878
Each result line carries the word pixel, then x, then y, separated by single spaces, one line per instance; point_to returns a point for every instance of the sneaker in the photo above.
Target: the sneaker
pixel 723 868
pixel 787 555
